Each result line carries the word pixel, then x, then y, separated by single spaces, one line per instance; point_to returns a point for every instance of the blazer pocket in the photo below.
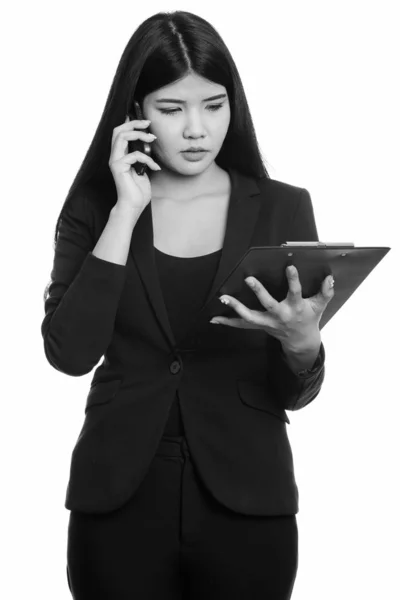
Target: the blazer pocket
pixel 259 397
pixel 102 392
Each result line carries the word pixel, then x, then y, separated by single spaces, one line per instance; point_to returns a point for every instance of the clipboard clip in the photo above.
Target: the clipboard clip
pixel 320 244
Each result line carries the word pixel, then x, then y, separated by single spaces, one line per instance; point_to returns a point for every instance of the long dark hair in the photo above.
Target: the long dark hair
pixel 164 49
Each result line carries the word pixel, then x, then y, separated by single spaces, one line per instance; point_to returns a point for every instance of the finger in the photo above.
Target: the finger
pixel 326 292
pixel 254 317
pixel 230 322
pixel 294 294
pixel 264 297
pixel 327 288
pixel 129 125
pixel 138 156
pixel 241 323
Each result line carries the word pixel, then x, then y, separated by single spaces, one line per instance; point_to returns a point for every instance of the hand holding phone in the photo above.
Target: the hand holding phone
pixel 139 145
pixel 132 189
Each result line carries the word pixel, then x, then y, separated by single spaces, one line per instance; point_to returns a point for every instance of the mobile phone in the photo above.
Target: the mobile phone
pixel 140 145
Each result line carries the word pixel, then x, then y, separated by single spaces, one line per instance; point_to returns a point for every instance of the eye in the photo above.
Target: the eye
pixel 211 107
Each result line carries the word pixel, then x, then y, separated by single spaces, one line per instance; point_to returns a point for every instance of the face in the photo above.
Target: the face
pixel 194 121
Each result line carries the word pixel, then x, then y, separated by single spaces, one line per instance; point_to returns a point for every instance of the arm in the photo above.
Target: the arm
pixel 298 389
pixel 297 375
pixel 85 288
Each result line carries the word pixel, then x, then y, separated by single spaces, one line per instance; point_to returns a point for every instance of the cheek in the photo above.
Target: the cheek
pixel 167 136
pixel 224 123
pixel 167 146
pixel 223 130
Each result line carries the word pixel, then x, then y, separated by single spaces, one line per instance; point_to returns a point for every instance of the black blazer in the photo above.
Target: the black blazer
pixel 234 385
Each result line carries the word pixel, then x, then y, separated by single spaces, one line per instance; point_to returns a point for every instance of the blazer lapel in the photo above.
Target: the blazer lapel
pixel 242 216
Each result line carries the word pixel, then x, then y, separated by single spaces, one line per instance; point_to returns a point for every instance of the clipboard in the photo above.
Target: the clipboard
pixel 314 261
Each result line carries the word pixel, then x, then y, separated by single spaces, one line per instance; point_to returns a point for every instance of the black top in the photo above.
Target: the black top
pixel 185 283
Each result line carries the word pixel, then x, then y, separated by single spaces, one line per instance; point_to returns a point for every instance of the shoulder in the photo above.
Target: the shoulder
pixel 280 189
pixel 281 196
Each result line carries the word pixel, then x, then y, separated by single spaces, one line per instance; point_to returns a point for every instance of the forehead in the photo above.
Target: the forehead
pixel 191 88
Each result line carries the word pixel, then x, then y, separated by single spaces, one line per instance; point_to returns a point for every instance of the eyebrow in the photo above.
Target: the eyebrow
pixel 184 101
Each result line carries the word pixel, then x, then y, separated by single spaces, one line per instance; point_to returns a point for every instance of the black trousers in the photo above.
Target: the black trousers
pixel 174 541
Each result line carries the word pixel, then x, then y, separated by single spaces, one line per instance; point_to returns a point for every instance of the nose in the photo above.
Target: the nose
pixel 194 127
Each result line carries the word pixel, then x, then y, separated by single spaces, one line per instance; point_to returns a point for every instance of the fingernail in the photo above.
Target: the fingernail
pixel 214 322
pixel 331 281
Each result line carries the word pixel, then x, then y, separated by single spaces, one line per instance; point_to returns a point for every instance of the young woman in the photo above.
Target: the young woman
pixel 181 482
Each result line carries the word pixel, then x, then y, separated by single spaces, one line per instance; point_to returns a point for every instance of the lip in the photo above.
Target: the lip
pixel 194 156
pixel 194 151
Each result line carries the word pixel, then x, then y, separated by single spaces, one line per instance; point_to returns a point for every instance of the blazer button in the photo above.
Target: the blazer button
pixel 175 366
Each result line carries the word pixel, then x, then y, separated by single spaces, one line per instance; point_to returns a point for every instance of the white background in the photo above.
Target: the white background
pixel 321 80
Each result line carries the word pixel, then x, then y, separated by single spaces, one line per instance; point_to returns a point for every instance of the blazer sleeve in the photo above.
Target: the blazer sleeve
pixel 296 391
pixel 83 295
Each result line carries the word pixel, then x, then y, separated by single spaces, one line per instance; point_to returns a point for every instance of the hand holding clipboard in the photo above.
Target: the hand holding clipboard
pixel 314 261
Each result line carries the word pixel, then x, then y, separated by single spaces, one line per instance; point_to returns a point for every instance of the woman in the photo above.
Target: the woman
pixel 181 482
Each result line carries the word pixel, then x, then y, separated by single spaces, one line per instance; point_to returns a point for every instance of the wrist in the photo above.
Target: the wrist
pixel 307 345
pixel 301 358
pixel 125 209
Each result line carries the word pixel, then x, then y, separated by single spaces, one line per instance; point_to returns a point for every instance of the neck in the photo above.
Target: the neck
pixel 174 185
